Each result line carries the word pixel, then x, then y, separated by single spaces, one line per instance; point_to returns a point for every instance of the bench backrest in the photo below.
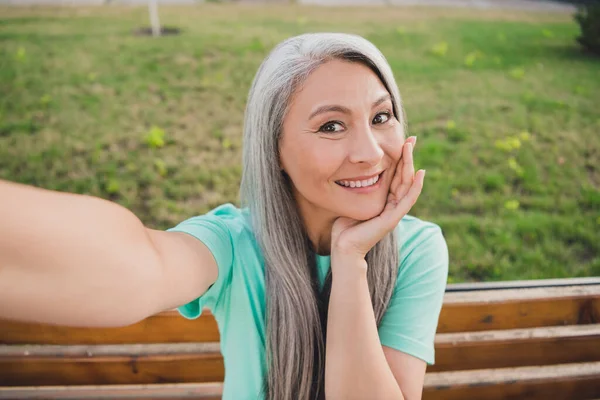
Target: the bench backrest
pixel 488 336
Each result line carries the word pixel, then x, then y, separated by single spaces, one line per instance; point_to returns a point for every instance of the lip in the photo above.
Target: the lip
pixel 366 189
pixel 361 178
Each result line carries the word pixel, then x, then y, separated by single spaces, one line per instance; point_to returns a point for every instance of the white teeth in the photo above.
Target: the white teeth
pixel 365 183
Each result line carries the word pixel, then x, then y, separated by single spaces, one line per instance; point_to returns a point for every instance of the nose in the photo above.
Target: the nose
pixel 365 147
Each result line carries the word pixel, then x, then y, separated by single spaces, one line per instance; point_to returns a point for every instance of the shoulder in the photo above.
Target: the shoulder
pixel 226 217
pixel 222 230
pixel 412 228
pixel 423 250
pixel 228 213
pixel 416 233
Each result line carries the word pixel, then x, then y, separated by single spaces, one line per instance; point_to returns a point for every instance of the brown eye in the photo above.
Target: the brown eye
pixel 329 127
pixel 382 118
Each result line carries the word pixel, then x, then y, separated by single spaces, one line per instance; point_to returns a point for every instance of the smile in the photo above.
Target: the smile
pixel 360 183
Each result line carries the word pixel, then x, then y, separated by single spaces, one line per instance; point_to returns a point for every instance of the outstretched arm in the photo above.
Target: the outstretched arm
pixel 78 260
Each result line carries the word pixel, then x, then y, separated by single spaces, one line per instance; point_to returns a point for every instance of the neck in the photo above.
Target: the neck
pixel 319 233
pixel 318 224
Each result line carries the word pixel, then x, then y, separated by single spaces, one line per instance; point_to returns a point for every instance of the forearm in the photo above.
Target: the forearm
pixel 62 255
pixel 356 367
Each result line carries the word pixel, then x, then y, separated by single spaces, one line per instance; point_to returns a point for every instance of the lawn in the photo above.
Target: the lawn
pixel 505 105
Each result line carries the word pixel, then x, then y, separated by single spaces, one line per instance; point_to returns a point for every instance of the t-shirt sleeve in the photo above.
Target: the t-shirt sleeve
pixel 213 232
pixel 410 322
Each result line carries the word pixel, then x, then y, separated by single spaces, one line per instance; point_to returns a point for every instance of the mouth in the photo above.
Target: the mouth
pixel 362 185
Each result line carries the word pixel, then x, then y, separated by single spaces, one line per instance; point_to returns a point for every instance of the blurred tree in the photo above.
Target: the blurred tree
pixel 588 17
pixel 154 21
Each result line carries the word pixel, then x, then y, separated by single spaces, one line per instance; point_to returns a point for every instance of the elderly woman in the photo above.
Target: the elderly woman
pixel 321 284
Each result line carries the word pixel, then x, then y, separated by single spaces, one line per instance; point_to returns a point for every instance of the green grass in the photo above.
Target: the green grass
pixel 505 106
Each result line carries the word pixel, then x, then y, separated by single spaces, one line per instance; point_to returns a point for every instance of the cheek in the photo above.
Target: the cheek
pixel 392 146
pixel 327 158
pixel 319 164
pixel 312 164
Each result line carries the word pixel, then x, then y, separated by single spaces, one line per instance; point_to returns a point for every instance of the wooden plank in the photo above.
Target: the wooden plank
pixel 108 350
pixel 571 381
pixel 517 347
pixel 204 391
pixel 516 295
pixel 165 327
pixel 527 284
pixel 565 381
pixel 464 351
pixel 110 364
pixel 519 308
pixel 461 312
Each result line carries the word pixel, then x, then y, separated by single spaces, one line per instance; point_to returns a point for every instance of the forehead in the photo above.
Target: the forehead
pixel 346 83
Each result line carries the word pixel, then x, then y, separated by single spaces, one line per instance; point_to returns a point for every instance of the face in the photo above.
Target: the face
pixel 341 142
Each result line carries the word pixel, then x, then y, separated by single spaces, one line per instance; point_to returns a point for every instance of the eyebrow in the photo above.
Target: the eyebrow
pixel 345 110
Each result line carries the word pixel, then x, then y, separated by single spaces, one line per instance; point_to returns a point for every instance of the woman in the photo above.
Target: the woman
pixel 321 284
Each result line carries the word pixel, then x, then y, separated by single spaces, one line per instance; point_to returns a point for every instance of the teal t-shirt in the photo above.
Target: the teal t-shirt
pixel 237 298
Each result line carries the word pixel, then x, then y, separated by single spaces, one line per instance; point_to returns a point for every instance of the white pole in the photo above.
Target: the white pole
pixel 154 22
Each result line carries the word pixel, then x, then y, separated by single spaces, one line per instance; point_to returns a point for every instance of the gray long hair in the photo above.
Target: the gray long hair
pixel 296 318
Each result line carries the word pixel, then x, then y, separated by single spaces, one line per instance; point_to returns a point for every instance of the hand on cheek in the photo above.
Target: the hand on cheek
pixel 404 175
pixel 355 238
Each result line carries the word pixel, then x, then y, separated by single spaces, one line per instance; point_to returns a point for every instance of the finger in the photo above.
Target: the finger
pixel 379 226
pixel 396 209
pixel 397 179
pixel 406 202
pixel 407 173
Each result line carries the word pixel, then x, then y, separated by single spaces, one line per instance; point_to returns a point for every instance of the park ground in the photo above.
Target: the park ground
pixel 504 103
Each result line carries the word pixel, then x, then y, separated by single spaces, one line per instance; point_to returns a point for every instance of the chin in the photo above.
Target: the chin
pixel 363 213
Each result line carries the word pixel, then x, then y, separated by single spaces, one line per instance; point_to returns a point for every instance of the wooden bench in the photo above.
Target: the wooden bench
pixel 527 339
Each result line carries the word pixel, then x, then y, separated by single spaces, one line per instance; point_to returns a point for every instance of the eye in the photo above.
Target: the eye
pixel 329 127
pixel 382 117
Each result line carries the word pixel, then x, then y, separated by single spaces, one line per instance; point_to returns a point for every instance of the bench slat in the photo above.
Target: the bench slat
pixel 108 350
pixel 110 364
pixel 519 308
pixel 530 283
pixel 204 391
pixel 462 312
pixel 202 362
pixel 567 381
pixel 517 347
pixel 165 327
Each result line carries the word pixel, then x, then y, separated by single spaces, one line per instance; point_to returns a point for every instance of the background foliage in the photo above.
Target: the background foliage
pixel 505 106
